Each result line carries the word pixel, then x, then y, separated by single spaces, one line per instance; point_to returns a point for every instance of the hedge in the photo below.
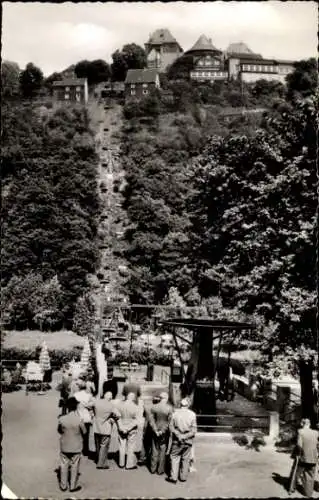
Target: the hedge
pixel 142 357
pixel 10 356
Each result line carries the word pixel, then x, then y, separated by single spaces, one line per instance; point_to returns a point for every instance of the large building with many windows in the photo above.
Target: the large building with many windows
pixel 244 64
pixel 237 62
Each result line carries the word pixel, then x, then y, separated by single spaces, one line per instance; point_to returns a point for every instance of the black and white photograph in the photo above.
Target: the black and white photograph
pixel 159 250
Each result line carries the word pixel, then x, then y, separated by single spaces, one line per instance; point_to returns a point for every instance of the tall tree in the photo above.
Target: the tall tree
pixel 255 223
pixel 31 79
pixel 303 81
pixel 50 207
pixel 181 68
pixel 95 71
pixel 131 56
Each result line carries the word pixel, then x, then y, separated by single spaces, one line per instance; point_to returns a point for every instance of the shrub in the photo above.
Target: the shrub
pixel 10 356
pixel 83 320
pixel 142 357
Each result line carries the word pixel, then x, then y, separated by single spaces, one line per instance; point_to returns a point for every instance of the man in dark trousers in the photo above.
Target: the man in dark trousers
pixel 307 448
pixel 159 418
pixel 183 428
pixel 72 430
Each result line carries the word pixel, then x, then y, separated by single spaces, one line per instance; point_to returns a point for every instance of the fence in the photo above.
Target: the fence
pixel 234 423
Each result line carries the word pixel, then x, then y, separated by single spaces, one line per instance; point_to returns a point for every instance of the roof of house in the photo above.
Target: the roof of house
pixel 203 44
pixel 246 57
pixel 160 36
pixel 282 61
pixel 69 82
pixel 141 76
pixel 238 48
pixel 256 60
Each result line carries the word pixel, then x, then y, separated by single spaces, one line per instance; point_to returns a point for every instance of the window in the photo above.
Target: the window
pixel 145 91
pixel 132 85
pixel 78 89
pixel 67 96
pixel 78 97
pixel 144 85
pixel 67 89
pixel 132 92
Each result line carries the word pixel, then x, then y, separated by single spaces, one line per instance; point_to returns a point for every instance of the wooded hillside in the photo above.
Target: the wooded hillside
pixel 49 213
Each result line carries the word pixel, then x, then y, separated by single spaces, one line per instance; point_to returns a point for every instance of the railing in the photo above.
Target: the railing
pixel 233 423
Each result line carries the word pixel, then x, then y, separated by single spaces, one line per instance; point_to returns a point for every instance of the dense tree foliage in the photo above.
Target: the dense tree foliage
pixel 49 211
pixel 154 155
pixel 303 81
pixel 96 71
pixel 233 229
pixel 131 56
pixel 181 68
pixel 31 79
pixel 256 213
pixel 255 238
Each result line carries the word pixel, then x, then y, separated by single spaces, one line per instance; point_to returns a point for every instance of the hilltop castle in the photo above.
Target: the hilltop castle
pixel 238 61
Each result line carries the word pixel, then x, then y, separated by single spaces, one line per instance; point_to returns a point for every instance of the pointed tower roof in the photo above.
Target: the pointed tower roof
pixel 203 44
pixel 160 36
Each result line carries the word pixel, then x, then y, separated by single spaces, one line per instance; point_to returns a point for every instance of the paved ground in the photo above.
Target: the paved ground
pixel 30 456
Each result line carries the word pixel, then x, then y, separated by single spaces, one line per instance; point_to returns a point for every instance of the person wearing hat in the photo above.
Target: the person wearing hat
pixel 307 450
pixel 72 430
pixel 159 418
pixel 183 429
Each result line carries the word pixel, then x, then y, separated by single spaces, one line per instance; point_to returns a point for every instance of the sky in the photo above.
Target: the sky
pixel 54 36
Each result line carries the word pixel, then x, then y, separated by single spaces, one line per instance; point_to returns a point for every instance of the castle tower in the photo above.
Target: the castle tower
pixel 162 49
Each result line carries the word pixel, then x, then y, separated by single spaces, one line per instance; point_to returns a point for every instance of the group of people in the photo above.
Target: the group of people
pixel 168 433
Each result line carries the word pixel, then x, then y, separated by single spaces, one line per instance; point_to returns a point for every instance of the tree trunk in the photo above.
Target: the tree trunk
pixel 307 396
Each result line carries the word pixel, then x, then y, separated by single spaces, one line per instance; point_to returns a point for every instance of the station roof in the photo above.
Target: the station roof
pixel 209 323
